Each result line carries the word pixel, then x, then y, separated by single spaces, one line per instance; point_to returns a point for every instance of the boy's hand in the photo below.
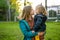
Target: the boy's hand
pixel 41 33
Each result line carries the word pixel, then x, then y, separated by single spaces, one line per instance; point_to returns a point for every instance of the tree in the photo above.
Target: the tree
pixel 46 4
pixel 27 3
pixel 3 9
pixel 52 13
pixel 15 8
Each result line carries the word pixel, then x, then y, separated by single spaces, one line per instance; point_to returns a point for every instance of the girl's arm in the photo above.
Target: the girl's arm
pixel 25 32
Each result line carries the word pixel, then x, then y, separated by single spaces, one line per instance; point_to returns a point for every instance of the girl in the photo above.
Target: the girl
pixel 26 23
pixel 39 20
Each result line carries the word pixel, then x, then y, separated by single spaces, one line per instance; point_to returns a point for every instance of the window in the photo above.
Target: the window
pixel 58 11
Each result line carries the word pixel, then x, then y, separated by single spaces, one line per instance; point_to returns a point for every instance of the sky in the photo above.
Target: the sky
pixel 49 2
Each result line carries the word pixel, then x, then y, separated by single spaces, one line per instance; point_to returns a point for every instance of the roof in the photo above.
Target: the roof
pixel 53 6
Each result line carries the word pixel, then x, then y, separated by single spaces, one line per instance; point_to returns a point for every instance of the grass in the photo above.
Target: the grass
pixel 11 31
pixel 53 31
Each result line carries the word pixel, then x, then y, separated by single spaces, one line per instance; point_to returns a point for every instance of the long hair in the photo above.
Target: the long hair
pixel 41 9
pixel 26 12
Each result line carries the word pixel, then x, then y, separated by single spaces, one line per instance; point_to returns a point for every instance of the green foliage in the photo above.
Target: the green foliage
pixel 3 3
pixel 3 9
pixel 52 13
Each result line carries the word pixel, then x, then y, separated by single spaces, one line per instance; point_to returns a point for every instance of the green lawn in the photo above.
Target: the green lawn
pixel 11 31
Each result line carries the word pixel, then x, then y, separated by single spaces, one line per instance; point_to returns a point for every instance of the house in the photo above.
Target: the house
pixel 53 12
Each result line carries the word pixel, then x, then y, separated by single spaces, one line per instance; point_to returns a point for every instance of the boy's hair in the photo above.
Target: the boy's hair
pixel 42 9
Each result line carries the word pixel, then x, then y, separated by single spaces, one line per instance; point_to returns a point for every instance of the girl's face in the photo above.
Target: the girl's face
pixel 32 12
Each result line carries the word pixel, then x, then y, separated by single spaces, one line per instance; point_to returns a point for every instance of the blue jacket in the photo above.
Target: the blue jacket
pixel 25 28
pixel 39 22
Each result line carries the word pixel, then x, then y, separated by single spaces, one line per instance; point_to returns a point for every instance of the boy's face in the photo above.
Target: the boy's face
pixel 38 10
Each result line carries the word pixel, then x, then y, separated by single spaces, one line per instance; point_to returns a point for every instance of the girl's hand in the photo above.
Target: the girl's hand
pixel 33 31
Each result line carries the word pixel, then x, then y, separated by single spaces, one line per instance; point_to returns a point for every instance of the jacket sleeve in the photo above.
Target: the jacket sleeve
pixel 38 22
pixel 25 32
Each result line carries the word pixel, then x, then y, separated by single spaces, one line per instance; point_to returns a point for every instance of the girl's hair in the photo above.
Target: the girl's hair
pixel 26 12
pixel 41 9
